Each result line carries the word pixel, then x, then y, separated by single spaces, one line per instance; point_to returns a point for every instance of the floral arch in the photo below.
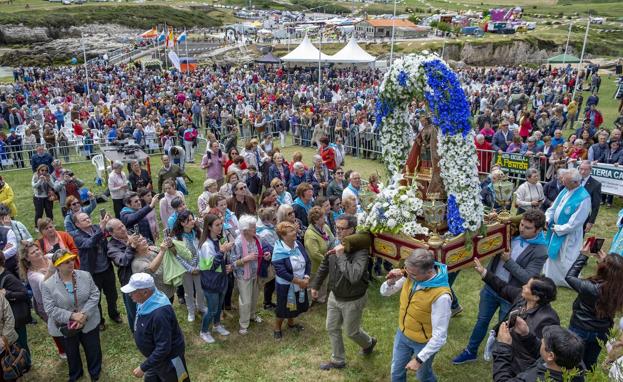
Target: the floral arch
pixel 426 76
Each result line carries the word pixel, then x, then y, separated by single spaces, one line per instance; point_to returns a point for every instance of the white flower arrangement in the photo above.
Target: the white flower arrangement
pixel 459 171
pixel 395 209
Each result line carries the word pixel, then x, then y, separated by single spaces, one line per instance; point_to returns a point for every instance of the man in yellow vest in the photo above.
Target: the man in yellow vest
pixel 425 300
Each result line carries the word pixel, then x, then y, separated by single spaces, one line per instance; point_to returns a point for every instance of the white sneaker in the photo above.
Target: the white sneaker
pixel 258 319
pixel 220 329
pixel 243 331
pixel 191 317
pixel 207 337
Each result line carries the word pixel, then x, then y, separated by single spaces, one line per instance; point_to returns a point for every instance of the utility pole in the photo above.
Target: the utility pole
pixel 391 49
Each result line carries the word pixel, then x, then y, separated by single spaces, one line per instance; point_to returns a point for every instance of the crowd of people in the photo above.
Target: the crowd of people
pixel 285 229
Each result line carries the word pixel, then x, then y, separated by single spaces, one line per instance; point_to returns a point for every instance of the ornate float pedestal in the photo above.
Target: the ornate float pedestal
pixel 457 252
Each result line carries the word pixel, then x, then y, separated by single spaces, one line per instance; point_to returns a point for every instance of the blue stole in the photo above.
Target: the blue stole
pixel 227 220
pixel 617 241
pixel 571 206
pixel 306 207
pixel 281 198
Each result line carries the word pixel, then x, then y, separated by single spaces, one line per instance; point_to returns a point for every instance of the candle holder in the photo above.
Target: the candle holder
pixel 434 213
pixel 503 197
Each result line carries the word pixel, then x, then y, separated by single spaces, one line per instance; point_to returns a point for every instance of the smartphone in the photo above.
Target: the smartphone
pixel 102 213
pixel 512 318
pixel 597 244
pixel 167 232
pixel 135 229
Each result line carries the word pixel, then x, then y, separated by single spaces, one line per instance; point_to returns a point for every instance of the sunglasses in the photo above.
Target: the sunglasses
pixel 290 213
pixel 242 188
pixel 75 204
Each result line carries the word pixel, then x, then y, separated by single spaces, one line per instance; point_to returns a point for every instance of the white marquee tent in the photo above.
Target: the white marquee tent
pixel 305 52
pixel 352 53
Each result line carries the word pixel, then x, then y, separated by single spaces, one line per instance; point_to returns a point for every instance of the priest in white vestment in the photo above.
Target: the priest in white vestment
pixel 565 220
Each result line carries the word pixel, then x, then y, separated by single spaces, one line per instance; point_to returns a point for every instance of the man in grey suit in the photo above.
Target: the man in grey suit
pixel 526 259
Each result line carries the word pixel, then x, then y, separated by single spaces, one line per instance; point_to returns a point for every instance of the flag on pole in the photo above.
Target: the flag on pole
pixel 181 38
pixel 170 39
pixel 162 36
pixel 152 33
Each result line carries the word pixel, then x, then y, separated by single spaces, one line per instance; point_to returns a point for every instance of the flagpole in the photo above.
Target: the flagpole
pixel 187 58
pixel 166 42
pixel 577 76
pixel 564 58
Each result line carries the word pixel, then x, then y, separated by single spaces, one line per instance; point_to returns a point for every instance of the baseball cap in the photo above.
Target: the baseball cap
pixel 138 281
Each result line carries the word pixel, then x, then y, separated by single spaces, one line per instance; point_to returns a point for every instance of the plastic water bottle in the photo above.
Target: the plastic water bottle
pixel 489 347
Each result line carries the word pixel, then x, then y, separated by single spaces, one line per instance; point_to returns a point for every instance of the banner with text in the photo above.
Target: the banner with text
pixel 610 177
pixel 512 164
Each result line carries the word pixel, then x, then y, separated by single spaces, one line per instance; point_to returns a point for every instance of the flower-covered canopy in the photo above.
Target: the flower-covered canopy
pixel 426 76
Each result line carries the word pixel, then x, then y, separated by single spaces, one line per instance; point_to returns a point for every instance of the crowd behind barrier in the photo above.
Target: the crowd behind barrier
pixel 288 228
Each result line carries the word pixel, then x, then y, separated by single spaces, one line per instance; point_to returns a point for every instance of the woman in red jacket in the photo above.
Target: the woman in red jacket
pixel 327 153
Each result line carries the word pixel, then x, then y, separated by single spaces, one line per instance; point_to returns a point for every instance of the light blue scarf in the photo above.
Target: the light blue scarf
pixel 571 206
pixel 439 280
pixel 306 207
pixel 282 251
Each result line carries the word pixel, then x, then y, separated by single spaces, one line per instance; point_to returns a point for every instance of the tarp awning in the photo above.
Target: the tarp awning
pixel 268 58
pixel 305 52
pixel 352 53
pixel 563 58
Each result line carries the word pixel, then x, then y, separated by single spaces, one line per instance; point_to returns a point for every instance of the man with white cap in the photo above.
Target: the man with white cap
pixel 157 333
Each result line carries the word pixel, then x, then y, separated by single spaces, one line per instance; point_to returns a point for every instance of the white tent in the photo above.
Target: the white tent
pixel 305 52
pixel 352 53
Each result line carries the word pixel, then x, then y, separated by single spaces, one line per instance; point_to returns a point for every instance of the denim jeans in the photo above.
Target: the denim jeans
pixel 489 303
pixel 591 345
pixel 130 309
pixel 404 350
pixel 215 305
pixel 451 278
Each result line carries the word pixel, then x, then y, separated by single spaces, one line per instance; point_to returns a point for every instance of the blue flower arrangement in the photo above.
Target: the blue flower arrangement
pixel 455 221
pixel 402 78
pixel 447 100
pixel 382 110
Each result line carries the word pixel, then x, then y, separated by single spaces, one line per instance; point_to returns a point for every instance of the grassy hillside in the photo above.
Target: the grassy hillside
pixel 131 15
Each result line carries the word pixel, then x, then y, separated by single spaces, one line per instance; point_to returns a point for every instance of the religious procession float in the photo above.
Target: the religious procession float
pixel 433 198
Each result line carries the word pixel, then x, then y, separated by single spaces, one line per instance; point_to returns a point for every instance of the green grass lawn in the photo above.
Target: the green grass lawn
pixel 257 357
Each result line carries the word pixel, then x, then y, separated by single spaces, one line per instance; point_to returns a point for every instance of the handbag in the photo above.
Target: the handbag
pixel 15 361
pixel 71 328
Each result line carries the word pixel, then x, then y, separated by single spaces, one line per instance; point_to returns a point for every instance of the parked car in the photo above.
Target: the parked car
pixel 473 31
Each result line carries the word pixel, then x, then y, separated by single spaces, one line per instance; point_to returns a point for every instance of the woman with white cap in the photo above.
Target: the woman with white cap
pixel 70 298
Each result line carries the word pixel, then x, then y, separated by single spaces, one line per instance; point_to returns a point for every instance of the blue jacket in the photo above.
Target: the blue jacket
pixel 598 152
pixel 36 160
pixel 92 250
pixel 499 143
pixel 273 173
pixel 130 218
pixel 295 180
pixel 157 333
